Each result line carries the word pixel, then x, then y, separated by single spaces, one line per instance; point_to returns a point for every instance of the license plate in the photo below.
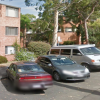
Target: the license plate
pixel 36 86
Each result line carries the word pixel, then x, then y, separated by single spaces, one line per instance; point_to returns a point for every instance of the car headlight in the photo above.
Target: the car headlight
pixel 86 70
pixel 68 73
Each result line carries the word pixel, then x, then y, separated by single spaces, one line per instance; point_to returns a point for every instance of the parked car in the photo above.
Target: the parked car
pixel 28 75
pixel 87 55
pixel 63 68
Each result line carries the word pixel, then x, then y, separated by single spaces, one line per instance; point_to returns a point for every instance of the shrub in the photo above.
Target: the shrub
pixel 68 42
pixel 3 59
pixel 39 48
pixel 24 55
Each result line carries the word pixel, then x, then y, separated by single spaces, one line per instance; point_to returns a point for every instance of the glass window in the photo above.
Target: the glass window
pixel 62 61
pixel 68 29
pixel 76 52
pixel 55 51
pixel 11 30
pixel 65 51
pixel 30 68
pixel 11 12
pixel 13 67
pixel 47 61
pixel 9 50
pixel 90 51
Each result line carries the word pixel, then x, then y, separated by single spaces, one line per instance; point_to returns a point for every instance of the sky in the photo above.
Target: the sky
pixel 21 4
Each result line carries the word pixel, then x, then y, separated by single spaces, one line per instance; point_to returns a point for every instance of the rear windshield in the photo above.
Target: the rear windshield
pixel 90 51
pixel 30 68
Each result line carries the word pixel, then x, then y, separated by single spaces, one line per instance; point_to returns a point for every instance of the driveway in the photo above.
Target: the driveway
pixel 66 90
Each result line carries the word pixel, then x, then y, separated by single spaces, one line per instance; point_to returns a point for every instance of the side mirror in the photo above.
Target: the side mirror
pixel 8 67
pixel 79 54
pixel 49 65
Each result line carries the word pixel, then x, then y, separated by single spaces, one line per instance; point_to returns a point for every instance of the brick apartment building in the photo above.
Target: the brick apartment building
pixel 9 30
pixel 68 34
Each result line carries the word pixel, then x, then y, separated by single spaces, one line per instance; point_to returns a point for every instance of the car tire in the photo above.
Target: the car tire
pixel 87 66
pixel 56 76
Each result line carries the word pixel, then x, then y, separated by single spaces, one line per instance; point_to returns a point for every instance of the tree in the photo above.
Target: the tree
pixel 25 23
pixel 94 32
pixel 82 13
pixel 52 7
pixel 31 17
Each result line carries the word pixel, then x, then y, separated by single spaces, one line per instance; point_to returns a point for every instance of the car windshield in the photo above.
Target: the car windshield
pixel 62 61
pixel 90 51
pixel 30 68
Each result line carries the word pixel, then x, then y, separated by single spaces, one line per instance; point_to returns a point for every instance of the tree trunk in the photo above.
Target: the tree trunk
pixel 86 32
pixel 24 39
pixel 54 43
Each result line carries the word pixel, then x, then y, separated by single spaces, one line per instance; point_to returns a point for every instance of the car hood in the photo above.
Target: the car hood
pixel 72 67
pixel 33 74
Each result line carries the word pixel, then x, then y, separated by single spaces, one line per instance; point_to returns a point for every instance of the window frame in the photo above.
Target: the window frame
pixel 6 50
pixel 14 9
pixel 8 28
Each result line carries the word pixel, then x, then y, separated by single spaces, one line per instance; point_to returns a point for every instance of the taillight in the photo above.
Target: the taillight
pixel 49 77
pixel 36 78
pixel 21 78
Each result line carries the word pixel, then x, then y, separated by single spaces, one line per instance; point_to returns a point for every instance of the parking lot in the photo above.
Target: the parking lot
pixel 65 90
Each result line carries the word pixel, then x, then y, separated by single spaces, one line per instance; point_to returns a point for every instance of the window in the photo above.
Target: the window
pixel 68 29
pixel 65 51
pixel 11 30
pixel 9 50
pixel 76 52
pixel 11 12
pixel 55 51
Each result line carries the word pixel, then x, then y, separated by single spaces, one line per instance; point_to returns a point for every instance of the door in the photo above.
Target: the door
pixel 41 61
pixel 49 66
pixel 12 71
pixel 77 56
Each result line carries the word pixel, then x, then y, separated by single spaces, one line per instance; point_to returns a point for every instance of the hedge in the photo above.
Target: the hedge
pixel 39 48
pixel 3 59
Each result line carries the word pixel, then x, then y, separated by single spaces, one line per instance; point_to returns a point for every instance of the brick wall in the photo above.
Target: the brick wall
pixel 4 39
pixel 68 36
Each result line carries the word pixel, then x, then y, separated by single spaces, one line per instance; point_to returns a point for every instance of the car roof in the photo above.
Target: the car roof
pixel 73 46
pixel 25 63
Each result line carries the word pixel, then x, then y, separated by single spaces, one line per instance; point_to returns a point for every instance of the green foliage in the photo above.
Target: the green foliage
pixel 30 16
pixel 16 46
pixel 24 55
pixel 3 59
pixel 47 37
pixel 68 42
pixel 94 32
pixel 25 22
pixel 39 48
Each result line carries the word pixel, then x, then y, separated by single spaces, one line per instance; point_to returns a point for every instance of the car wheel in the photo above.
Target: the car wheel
pixel 56 76
pixel 87 66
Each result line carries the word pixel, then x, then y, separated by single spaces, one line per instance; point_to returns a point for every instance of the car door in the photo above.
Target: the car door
pixel 49 66
pixel 12 71
pixel 77 56
pixel 41 62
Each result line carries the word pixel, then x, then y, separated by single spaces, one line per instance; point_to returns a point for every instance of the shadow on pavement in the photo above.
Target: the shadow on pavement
pixel 95 92
pixel 3 71
pixel 8 85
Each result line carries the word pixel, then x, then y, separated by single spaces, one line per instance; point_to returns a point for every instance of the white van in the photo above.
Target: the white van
pixel 87 55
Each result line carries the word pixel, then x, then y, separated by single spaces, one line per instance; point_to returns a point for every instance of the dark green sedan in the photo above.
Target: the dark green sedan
pixel 63 68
